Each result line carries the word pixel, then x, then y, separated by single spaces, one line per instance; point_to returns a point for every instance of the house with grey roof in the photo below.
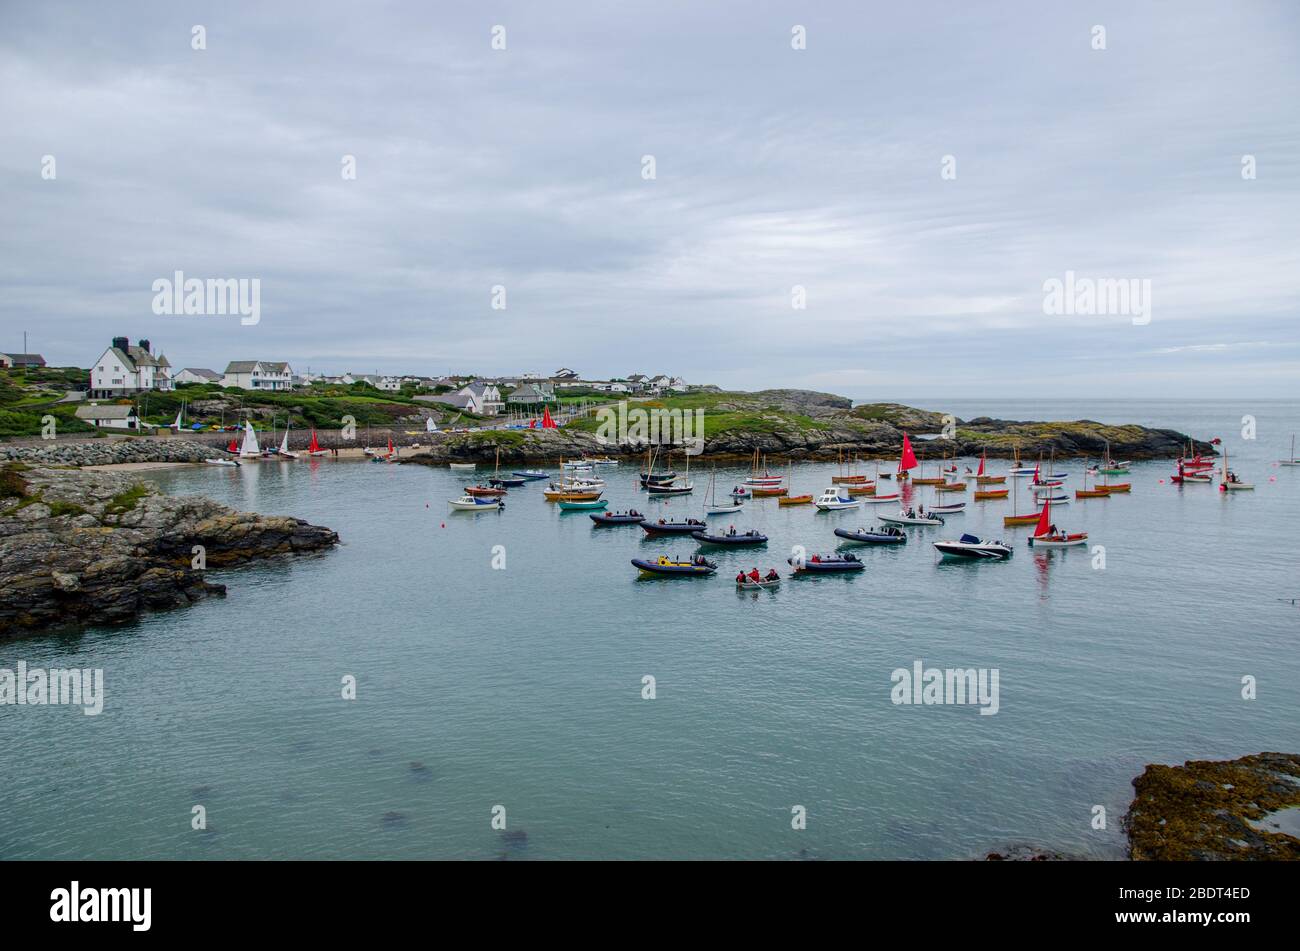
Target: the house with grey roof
pixel 258 375
pixel 109 416
pixel 123 370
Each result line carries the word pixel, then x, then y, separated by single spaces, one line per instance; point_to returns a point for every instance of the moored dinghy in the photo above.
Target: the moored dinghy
pixel 468 503
pixel 1047 535
pixel 730 538
pixel 630 517
pixel 665 527
pixel 889 535
pixel 698 566
pixel 911 517
pixel 825 564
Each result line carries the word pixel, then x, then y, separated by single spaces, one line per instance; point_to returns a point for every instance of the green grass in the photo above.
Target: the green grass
pixel 12 484
pixel 126 501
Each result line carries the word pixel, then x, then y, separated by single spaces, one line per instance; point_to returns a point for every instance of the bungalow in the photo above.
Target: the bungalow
pixel 530 394
pixel 197 375
pixel 123 370
pixel 258 375
pixel 21 360
pixel 109 416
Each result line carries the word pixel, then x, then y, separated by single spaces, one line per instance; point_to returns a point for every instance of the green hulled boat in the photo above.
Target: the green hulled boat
pixel 582 506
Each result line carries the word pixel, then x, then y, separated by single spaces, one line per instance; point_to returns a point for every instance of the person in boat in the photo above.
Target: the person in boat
pixel 771 575
pixel 740 578
pixel 817 558
pixel 755 576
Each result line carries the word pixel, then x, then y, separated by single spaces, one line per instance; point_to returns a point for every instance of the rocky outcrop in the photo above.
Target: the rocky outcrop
pixel 106 452
pixel 81 547
pixel 1214 810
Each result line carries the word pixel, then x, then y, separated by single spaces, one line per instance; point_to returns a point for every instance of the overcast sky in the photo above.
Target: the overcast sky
pixel 774 167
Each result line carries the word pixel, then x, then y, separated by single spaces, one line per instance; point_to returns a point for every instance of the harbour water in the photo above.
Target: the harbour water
pixel 522 686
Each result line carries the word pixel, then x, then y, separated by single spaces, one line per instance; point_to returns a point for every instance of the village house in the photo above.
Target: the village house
pixel 197 375
pixel 486 395
pixel 531 394
pixel 109 416
pixel 258 375
pixel 123 370
pixel 21 360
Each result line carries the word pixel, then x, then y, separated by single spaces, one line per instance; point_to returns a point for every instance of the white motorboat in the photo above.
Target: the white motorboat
pixel 831 501
pixel 953 508
pixel 462 465
pixel 221 462
pixel 910 518
pixel 470 503
pixel 969 546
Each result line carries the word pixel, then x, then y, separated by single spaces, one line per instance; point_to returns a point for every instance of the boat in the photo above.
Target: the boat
pixel 984 478
pixel 911 518
pixel 485 491
pixel 846 477
pixel 882 499
pixel 1017 470
pixel 1015 518
pixel 740 493
pixel 462 465
pixel 249 449
pixel 711 504
pixel 1197 462
pixel 730 538
pixel 1231 482
pixel 470 503
pixel 1109 466
pixel 221 462
pixel 313 448
pixel 663 565
pixel 649 475
pixel 576 506
pixel 284 444
pixel 861 488
pixel 529 475
pixel 576 465
pixel 1054 499
pixel 233 448
pixel 889 535
pixel 507 482
pixel 601 461
pixel 988 495
pixel 768 492
pixel 665 527
pixel 1047 535
pixel 572 497
pixel 825 564
pixel 1292 459
pixel 1186 477
pixel 632 517
pixel 762 479
pixel 950 487
pixel 1114 487
pixel 831 501
pixel 795 500
pixel 953 508
pixel 1096 492
pixel 975 548
pixel 668 488
pixel 746 583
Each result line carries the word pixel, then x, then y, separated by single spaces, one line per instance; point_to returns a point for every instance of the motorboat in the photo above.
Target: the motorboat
pixel 890 535
pixel 911 518
pixel 469 503
pixel 663 565
pixel 731 538
pixel 831 501
pixel 975 548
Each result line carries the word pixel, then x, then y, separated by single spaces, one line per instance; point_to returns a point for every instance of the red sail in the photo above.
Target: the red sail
pixel 1044 520
pixel 315 446
pixel 390 445
pixel 233 447
pixel 908 461
pixel 981 472
pixel 547 421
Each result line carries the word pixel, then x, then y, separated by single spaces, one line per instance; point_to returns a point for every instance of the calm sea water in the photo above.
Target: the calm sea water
pixel 522 687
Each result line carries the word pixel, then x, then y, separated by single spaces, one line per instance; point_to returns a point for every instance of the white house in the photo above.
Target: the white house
pixel 197 375
pixel 486 395
pixel 123 370
pixel 109 416
pixel 258 375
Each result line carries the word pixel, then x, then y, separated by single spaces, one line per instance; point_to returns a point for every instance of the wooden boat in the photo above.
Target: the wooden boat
pixel 986 478
pixel 973 548
pixel 632 517
pixel 668 488
pixel 764 478
pixel 1097 492
pixel 1184 477
pixel 1047 535
pixel 987 495
pixel 903 518
pixel 484 491
pixel 1109 466
pixel 883 499
pixel 1113 487
pixel 469 503
pixel 885 536
pixel 696 567
pixel 1231 483
pixel 795 500
pixel 748 583
pixel 571 495
pixel 731 539
pixel 849 479
pixel 950 487
pixel 831 501
pixel 825 564
pixel 569 506
pixel 1014 518
pixel 760 492
pixel 1017 470
pixel 665 527
pixel 868 488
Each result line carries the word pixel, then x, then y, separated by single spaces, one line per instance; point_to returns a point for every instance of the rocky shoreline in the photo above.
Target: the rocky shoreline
pixel 80 547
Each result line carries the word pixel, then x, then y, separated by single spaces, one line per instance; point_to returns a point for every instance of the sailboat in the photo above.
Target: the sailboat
pixel 765 480
pixel 650 476
pixel 922 479
pixel 1015 518
pixel 1291 460
pixel 1230 481
pixel 944 484
pixel 1110 467
pixel 367 451
pixel 847 477
pixel 180 415
pixel 498 480
pixel 673 488
pixel 1096 492
pixel 234 445
pixel 249 449
pixel 984 478
pixel 711 504
pixel 907 460
pixel 284 444
pixel 1019 471
pixel 1047 535
pixel 314 448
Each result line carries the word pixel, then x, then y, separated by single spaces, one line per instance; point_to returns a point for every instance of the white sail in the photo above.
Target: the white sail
pixel 250 447
pixel 177 425
pixel 430 426
pixel 284 443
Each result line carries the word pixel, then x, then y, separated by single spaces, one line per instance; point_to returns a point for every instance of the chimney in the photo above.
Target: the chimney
pixel 120 343
pixel 144 345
